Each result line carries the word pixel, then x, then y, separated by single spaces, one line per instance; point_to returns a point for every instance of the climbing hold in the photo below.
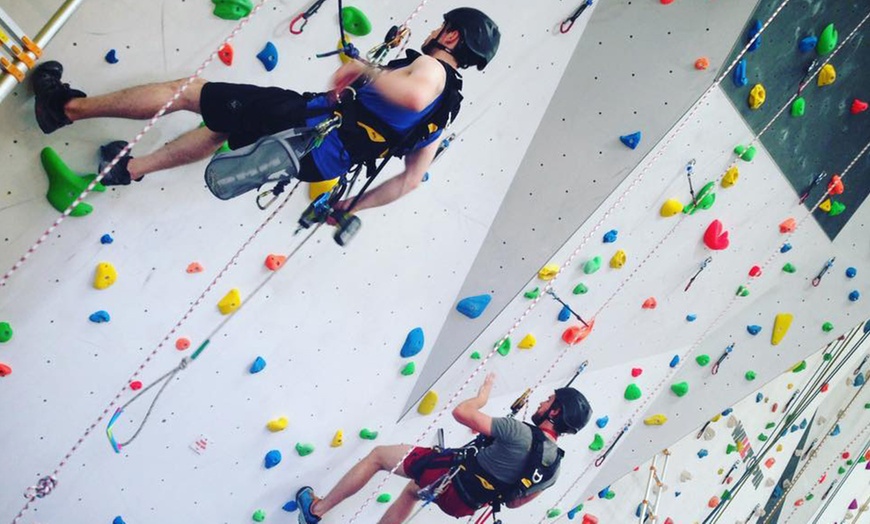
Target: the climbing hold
pixel 409 369
pixel 680 388
pixel 789 268
pixel 799 107
pixel 277 424
pixel 413 343
pixel 576 334
pixel 602 422
pixel 825 387
pixel 753 36
pixel 755 271
pixel 553 513
pixel 787 226
pixel 355 21
pixel 592 265
pixel 827 327
pixel 427 405
pixel 671 207
pixel 702 63
pixel 859 380
pixel 675 361
pixel 136 385
pixel 225 53
pixel 5 332
pixel 836 208
pixel 854 296
pixel 268 56
pixel 98 317
pixel 739 74
pixel 384 498
pixel 632 392
pixel 475 355
pixel 715 237
pixel 691 317
pixel 655 420
pixel 835 186
pixel 713 502
pixel 274 262
pixel 231 302
pixel 636 372
pixel 745 153
pixel 573 512
pixel 785 248
pixel 705 199
pixel 597 443
pixel 702 453
pixel 800 366
pixel 564 314
pixel 836 430
pixel 618 259
pixel 757 96
pixel 827 40
pixel 548 272
pixel 504 347
pixel 533 294
pixel 858 106
pixel 851 272
pixel 742 291
pixel 685 476
pixel 303 450
pixel 258 365
pixel 631 141
pixel 649 303
pixel 259 516
pixel 750 375
pixel 105 275
pixel 290 507
pixel 182 343
pixel 64 185
pixel 753 329
pixel 194 267
pixel 118 520
pixel 610 236
pixel 232 9
pixel 781 323
pixel 807 44
pixel 730 177
pixel 702 360
pixel 759 397
pixel 528 342
pixel 273 458
pixel 337 440
pixel 112 56
pixel 827 76
pixel 473 307
pixel 729 449
pixel 368 434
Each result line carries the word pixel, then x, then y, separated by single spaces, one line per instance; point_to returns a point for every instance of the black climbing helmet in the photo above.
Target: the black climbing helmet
pixel 574 411
pixel 480 36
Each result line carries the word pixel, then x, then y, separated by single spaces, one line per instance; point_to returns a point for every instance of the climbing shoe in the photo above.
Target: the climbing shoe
pixel 305 499
pixel 118 175
pixel 51 96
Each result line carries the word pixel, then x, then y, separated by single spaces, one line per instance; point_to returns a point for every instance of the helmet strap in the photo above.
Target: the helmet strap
pixel 435 44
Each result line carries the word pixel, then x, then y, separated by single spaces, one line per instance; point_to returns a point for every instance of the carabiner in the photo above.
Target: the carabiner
pixel 827 267
pixel 304 17
pixel 568 23
pixel 722 358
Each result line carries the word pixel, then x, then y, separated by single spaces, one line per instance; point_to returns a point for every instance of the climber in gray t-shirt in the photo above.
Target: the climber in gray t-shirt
pixel 505 457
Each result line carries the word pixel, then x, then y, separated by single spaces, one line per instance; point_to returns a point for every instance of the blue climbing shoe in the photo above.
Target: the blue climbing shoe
pixel 305 499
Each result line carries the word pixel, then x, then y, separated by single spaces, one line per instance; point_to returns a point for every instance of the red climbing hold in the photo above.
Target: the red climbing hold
pixel 225 53
pixel 4 370
pixel 667 2
pixel 774 407
pixel 576 334
pixel 858 106
pixel 194 267
pixel 755 271
pixel 669 520
pixel 636 372
pixel 702 63
pixel 825 387
pixel 835 186
pixel 650 303
pixel 716 237
pixel 274 262
pixel 845 455
pixel 136 385
pixel 788 226
pixel 587 518
pixel 182 343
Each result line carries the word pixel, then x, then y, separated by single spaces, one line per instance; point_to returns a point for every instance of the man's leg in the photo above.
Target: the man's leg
pixel 188 148
pixel 139 103
pixel 403 506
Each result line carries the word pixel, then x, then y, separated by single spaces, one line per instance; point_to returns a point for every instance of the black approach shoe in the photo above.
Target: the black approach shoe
pixel 119 175
pixel 51 96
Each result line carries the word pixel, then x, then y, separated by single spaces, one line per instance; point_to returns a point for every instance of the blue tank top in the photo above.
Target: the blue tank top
pixel 332 159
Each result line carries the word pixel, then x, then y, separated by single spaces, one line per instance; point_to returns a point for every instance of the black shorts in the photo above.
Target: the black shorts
pixel 247 113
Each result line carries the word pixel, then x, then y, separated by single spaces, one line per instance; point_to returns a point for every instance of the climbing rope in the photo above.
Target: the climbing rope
pixel 129 147
pixel 842 480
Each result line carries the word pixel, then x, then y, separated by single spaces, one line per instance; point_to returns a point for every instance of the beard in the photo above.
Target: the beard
pixel 430 47
pixel 540 418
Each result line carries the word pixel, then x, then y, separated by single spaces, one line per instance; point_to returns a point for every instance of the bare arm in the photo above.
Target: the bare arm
pixel 522 500
pixel 468 412
pixel 413 87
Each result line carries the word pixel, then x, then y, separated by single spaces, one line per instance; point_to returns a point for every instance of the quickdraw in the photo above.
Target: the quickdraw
pixel 816 181
pixel 702 268
pixel 568 23
pixel 730 471
pixel 600 460
pixel 304 16
pixel 827 267
pixel 559 300
pixel 394 38
pixel 722 358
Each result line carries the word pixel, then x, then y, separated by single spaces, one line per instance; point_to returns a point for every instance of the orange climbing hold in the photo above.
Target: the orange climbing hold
pixel 576 334
pixel 788 226
pixel 225 53
pixel 274 262
pixel 650 303
pixel 769 462
pixel 835 186
pixel 182 343
pixel 713 502
pixel 4 370
pixel 702 63
pixel 194 267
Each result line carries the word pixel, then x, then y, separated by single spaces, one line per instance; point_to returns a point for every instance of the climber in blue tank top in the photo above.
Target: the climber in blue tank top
pixel 389 111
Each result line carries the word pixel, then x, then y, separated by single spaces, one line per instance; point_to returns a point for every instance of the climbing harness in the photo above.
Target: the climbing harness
pixel 566 306
pixel 304 16
pixel 702 268
pixel 827 267
pixel 715 369
pixel 600 460
pixel 568 23
pixel 816 181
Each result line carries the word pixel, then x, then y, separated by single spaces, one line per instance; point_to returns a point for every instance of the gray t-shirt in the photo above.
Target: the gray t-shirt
pixel 507 456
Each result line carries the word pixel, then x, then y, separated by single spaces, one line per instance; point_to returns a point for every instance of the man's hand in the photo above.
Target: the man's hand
pixel 347 74
pixel 486 387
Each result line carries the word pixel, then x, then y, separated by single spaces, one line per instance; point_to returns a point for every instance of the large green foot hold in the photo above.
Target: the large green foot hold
pixel 65 185
pixel 232 9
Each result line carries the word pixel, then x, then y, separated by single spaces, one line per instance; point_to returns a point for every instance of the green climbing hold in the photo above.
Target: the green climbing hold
pixel 726 495
pixel 5 332
pixel 533 294
pixel 827 40
pixel 705 199
pixel 789 268
pixel 610 494
pixel 632 392
pixel 553 513
pixel 580 289
pixel 225 147
pixel 702 360
pixel 259 516
pixel 680 388
pixel 799 107
pixel 867 405
pixel 355 21
pixel 841 470
pixel 750 375
pixel 770 425
pixel 384 498
pixel 827 327
pixel 802 365
pixel 232 9
pixel 731 448
pixel 64 185
pixel 475 355
pixel 745 153
pixel 827 356
pixel 850 462
pixel 409 369
pixel 505 347
pixel 742 291
pixel 762 437
pixel 368 434
pixel 304 449
pixel 809 496
pixel 597 443
pixel 836 208
pixel 592 265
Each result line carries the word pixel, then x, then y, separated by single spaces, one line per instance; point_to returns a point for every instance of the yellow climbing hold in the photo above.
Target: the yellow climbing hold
pixel 277 424
pixel 528 342
pixel 655 420
pixel 231 302
pixel 730 177
pixel 338 439
pixel 340 47
pixel 548 272
pixel 779 447
pixel 105 275
pixel 618 259
pixel 757 96
pixel 315 189
pixel 716 418
pixel 827 76
pixel 780 327
pixel 740 446
pixel 826 205
pixel 671 207
pixel 427 405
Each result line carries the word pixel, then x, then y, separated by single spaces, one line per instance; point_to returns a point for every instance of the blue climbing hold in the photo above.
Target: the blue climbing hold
pixel 739 75
pixel 602 421
pixel 753 329
pixel 854 296
pixel 106 239
pixel 273 458
pixel 258 365
pixel 473 307
pixel 118 520
pixel 637 511
pixel 702 453
pixel 413 343
pixel 675 361
pixel 610 236
pixel 565 314
pixel 573 512
pixel 859 380
pixel 754 31
pixel 759 397
pixel 677 493
pixel 836 431
pixel 290 507
pixel 851 272
pixel 727 412
pixel 426 176
pixel 807 44
pixel 98 317
pixel 269 56
pixel 777 492
pixel 691 317
pixel 112 56
pixel 603 493
pixel 785 248
pixel 804 424
pixel 794 427
pixel 632 140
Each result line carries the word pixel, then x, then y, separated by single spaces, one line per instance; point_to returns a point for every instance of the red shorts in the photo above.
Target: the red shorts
pixel 449 501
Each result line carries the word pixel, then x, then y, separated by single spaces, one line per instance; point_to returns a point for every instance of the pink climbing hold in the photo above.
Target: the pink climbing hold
pixel 136 385
pixel 182 343
pixel 755 272
pixel 716 238
pixel 788 226
pixel 194 267
pixel 858 106
pixel 853 505
pixel 650 303
pixel 636 372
